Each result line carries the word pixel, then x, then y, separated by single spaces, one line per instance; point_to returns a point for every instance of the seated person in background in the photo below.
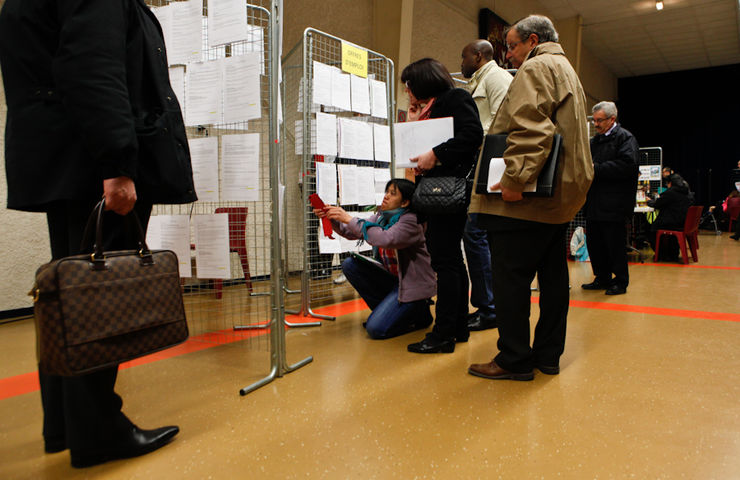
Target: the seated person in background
pixel 720 210
pixel 672 206
pixel 731 202
pixel 398 293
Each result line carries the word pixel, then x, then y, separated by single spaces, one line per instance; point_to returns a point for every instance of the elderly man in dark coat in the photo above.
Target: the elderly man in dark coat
pixel 611 200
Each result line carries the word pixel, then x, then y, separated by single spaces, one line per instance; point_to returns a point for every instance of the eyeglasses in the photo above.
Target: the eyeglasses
pixel 599 120
pixel 512 46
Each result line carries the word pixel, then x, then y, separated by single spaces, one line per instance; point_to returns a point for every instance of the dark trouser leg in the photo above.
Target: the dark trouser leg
pixel 478 255
pixel 598 251
pixel 85 409
pixel 616 238
pixel 444 234
pixel 552 273
pixel 519 250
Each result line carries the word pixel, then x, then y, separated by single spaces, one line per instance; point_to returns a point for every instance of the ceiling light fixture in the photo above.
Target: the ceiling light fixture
pixel 659 5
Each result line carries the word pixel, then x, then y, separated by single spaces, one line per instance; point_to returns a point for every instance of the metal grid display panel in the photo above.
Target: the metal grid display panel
pixel 214 308
pixel 312 274
pixel 652 156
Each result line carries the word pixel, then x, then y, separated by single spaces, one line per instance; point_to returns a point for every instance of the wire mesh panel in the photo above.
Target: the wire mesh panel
pixel 314 275
pixel 653 157
pixel 217 305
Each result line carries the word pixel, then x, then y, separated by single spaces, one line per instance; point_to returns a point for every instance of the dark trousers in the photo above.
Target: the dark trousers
pixel 478 255
pixel 607 248
pixel 444 235
pixel 84 411
pixel 519 250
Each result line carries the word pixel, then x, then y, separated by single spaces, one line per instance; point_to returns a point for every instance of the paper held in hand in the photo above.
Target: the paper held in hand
pixel 414 138
pixel 496 168
pixel 492 166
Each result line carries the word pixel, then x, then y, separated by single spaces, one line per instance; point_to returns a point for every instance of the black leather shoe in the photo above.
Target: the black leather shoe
pixel 432 344
pixel 735 237
pixel 615 290
pixel 481 321
pixel 549 369
pixel 594 286
pixel 462 337
pixel 137 442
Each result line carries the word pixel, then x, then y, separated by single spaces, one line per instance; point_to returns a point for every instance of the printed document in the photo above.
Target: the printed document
pixel 240 172
pixel 326 134
pixel 360 94
pixel 415 138
pixel 203 95
pixel 227 21
pixel 212 246
pixel 204 158
pixel 171 232
pixel 242 87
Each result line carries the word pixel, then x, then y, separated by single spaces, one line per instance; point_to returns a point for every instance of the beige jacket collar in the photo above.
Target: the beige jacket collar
pixel 480 73
pixel 548 47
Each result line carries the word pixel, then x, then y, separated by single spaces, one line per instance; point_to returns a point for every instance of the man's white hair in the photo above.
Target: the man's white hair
pixel 609 109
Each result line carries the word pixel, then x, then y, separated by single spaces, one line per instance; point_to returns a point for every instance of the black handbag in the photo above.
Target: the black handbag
pixel 440 195
pixel 97 310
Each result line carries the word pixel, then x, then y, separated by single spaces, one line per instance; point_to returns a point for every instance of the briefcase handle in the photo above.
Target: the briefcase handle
pixel 97 256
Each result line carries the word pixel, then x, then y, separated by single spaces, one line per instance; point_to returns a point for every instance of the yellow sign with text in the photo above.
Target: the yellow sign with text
pixel 354 60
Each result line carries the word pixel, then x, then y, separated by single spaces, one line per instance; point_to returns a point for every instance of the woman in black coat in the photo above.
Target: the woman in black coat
pixel 672 206
pixel 430 86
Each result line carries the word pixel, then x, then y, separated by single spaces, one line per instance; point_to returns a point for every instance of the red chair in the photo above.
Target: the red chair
pixel 237 243
pixel 733 210
pixel 689 234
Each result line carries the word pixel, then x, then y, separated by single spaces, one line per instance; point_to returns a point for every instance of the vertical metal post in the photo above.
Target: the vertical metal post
pixel 278 361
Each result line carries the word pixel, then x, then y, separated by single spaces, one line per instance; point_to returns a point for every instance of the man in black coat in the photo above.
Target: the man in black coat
pixel 91 113
pixel 611 200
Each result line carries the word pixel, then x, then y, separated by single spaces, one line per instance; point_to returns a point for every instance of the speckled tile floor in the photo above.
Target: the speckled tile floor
pixel 648 389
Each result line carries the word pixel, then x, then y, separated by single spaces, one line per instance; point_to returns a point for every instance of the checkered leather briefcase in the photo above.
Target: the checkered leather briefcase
pixel 98 310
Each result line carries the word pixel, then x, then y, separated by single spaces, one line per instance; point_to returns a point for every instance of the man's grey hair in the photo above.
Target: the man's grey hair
pixel 609 109
pixel 539 25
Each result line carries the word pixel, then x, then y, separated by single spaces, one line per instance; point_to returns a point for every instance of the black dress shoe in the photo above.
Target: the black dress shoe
pixel 432 344
pixel 615 290
pixel 735 237
pixel 462 337
pixel 481 321
pixel 137 442
pixel 594 286
pixel 549 369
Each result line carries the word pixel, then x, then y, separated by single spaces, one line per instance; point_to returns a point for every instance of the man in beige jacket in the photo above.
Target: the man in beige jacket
pixel 527 234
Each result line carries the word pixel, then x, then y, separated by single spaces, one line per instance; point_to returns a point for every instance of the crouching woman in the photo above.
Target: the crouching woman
pixel 399 289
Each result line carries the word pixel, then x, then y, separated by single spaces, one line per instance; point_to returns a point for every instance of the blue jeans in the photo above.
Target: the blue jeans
pixel 379 289
pixel 477 252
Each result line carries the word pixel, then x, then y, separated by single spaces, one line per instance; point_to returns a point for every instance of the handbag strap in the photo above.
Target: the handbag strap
pixel 96 216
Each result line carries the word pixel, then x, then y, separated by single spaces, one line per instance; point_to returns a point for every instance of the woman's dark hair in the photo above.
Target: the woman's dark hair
pixel 675 180
pixel 405 188
pixel 427 78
